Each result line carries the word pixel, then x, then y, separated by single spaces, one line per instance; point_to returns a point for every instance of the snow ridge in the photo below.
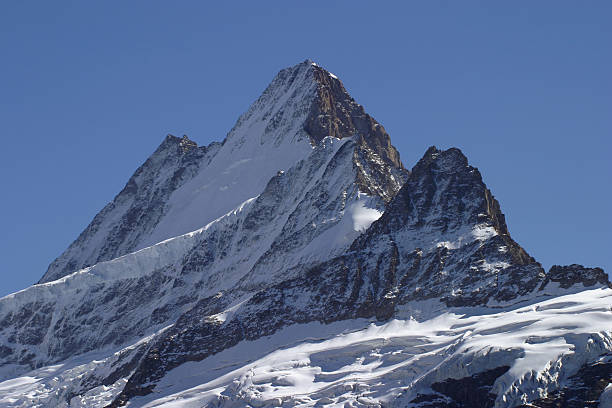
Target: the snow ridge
pixel 299 264
pixel 182 187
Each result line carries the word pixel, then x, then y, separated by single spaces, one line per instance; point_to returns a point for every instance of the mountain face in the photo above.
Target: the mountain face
pixel 183 187
pixel 298 263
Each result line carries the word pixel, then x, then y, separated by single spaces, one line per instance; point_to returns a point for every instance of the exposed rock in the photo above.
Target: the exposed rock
pixel 452 236
pixel 335 113
pixel 473 391
pixel 570 275
pixel 281 225
pixel 583 389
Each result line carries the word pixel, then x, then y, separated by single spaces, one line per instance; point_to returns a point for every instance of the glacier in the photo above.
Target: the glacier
pixel 298 263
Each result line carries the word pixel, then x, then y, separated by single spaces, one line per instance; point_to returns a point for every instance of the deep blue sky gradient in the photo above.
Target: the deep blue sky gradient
pixel 89 89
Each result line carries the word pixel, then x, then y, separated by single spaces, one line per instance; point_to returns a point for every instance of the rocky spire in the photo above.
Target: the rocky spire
pixel 335 113
pixel 444 193
pixel 448 227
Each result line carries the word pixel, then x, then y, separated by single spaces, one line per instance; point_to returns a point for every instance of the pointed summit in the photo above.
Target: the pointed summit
pixel 336 113
pixel 446 194
pixel 183 187
pixel 446 222
pixel 317 99
pixel 303 225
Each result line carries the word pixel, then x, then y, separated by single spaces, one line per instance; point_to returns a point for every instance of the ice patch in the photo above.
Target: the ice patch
pixel 362 216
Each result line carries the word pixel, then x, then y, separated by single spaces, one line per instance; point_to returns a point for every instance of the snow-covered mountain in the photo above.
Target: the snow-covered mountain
pixel 183 187
pixel 298 263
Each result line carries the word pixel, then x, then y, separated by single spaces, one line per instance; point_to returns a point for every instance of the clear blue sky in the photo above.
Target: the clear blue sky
pixel 89 89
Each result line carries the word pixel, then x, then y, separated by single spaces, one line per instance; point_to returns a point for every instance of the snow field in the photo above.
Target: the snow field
pixel 361 362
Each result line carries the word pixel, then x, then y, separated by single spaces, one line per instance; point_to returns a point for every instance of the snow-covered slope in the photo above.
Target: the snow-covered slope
pixel 535 349
pixel 530 352
pixel 307 214
pixel 297 264
pixel 182 187
pixel 269 137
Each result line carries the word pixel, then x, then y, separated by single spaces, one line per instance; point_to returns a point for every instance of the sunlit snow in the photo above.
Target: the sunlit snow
pixel 345 362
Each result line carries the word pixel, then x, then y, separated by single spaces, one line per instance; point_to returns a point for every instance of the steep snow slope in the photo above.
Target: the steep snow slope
pixel 311 212
pixel 124 222
pixel 182 187
pixel 267 138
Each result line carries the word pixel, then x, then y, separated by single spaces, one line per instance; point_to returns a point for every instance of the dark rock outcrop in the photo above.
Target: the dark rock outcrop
pixel 335 113
pixel 583 390
pixel 445 204
pixel 473 391
pixel 570 275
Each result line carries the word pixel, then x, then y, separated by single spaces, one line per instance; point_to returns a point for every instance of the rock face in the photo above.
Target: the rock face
pixel 123 223
pixel 302 230
pixel 450 237
pixel 568 276
pixel 473 391
pixel 335 113
pixel 182 187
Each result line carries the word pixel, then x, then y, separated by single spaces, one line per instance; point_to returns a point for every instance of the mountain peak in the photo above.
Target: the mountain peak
pixel 183 187
pixel 183 143
pixel 451 159
pixel 187 287
pixel 443 193
pixel 306 64
pixel 445 180
pixel 307 102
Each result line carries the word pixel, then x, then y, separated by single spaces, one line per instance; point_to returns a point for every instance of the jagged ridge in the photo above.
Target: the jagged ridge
pixel 391 265
pixel 173 192
pixel 290 207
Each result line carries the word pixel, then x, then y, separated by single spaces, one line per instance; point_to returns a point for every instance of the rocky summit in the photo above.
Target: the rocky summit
pixel 298 263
